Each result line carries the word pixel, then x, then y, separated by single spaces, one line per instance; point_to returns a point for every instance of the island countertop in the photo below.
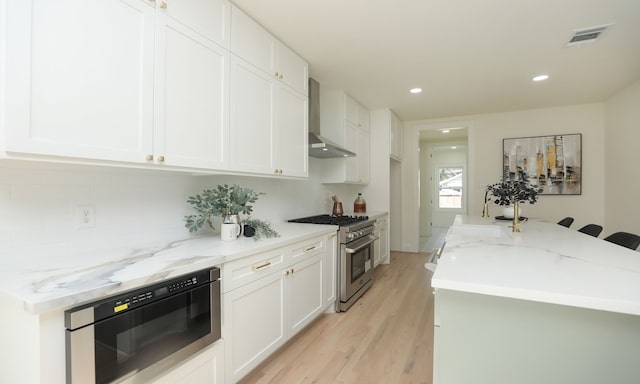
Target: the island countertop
pixel 46 284
pixel 545 262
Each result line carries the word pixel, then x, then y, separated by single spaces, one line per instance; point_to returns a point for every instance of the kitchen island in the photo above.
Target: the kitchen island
pixel 546 305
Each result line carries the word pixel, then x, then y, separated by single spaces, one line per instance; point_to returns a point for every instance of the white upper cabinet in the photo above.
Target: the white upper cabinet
pixel 291 144
pixel 191 89
pixel 209 18
pixel 252 119
pixel 355 113
pixel 151 82
pixel 80 78
pixel 345 122
pixel 252 42
pixel 290 68
pixel 130 81
pixel 269 116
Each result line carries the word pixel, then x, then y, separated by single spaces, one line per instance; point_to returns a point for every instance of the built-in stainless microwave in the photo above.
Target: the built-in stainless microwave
pixel 134 336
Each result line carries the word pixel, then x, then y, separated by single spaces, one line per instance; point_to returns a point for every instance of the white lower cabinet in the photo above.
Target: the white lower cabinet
pixel 253 324
pixel 260 315
pixel 206 367
pixel 380 248
pixel 330 271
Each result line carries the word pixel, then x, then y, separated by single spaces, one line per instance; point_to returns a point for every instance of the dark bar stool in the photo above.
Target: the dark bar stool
pixel 566 222
pixel 591 230
pixel 624 239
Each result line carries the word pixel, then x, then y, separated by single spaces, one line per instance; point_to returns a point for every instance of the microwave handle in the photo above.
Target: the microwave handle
pixel 369 241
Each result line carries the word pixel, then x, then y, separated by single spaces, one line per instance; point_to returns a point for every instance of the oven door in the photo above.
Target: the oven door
pixel 357 268
pixel 152 338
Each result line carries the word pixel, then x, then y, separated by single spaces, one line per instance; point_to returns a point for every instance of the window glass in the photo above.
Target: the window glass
pixel 450 187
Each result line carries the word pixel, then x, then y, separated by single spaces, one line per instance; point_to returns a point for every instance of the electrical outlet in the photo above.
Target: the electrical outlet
pixel 86 216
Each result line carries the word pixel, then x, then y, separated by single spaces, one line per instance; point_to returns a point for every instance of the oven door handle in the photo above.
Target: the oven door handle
pixel 359 245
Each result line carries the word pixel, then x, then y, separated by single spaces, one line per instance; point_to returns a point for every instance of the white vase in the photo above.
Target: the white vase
pixel 507 212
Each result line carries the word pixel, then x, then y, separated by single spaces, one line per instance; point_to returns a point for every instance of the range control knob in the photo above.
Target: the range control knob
pixel 350 235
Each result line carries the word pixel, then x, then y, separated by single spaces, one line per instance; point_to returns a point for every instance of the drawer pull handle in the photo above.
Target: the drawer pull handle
pixel 310 248
pixel 263 265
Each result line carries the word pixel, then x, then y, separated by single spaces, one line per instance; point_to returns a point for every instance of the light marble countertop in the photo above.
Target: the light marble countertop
pixel 545 262
pixel 50 284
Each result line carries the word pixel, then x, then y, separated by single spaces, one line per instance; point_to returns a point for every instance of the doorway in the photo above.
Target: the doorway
pixel 443 181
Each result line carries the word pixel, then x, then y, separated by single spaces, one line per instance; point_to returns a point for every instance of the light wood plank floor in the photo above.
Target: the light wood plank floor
pixel 386 337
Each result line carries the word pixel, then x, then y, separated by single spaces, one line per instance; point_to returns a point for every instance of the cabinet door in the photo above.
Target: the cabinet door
pixel 291 140
pixel 355 113
pixel 291 68
pixel 330 269
pixel 85 94
pixel 351 143
pixel 191 107
pixel 304 293
pixel 252 42
pixel 384 244
pixel 376 248
pixel 363 157
pixel 209 18
pixel 252 119
pixel 254 324
pixel 351 110
pixel 206 366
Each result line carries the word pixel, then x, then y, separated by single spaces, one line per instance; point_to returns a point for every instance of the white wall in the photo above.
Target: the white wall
pixel 622 121
pixel 485 160
pixel 38 205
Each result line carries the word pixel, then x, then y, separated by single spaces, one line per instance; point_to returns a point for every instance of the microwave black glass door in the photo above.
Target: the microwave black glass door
pixel 134 340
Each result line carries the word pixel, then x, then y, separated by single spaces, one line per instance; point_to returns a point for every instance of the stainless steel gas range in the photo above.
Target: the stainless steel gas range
pixel 355 255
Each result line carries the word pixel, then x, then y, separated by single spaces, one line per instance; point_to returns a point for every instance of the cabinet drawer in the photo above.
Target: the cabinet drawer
pixel 243 271
pixel 306 249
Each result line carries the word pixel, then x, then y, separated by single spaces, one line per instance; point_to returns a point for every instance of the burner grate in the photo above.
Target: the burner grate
pixel 330 220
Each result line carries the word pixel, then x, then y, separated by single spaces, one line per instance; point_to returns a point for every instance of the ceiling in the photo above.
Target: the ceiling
pixel 469 56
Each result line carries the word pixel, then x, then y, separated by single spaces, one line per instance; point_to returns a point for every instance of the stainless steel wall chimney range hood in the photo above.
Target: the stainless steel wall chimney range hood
pixel 320 146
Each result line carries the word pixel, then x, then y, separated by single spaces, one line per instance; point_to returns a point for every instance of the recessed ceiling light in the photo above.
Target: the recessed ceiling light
pixel 445 131
pixel 540 77
pixel 454 147
pixel 415 90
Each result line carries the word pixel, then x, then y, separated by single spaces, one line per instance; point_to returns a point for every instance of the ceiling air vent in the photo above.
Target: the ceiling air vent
pixel 587 35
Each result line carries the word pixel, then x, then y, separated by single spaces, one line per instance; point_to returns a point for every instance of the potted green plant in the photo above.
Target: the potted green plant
pixel 257 228
pixel 225 201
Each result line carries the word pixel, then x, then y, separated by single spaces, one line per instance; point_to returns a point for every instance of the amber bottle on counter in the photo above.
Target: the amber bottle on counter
pixel 359 205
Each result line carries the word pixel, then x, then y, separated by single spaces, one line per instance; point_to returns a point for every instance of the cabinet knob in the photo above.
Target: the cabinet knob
pixel 277 74
pixel 292 271
pixel 286 273
pixel 149 157
pixel 161 159
pixel 163 5
pixel 281 76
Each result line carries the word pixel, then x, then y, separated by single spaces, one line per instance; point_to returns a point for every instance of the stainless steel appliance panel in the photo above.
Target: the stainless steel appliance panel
pixel 131 337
